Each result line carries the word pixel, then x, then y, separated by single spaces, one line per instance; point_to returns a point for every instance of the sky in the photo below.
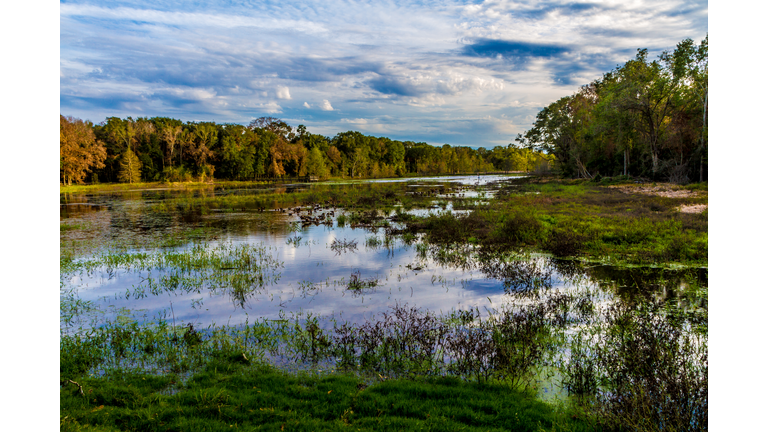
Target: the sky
pixel 459 72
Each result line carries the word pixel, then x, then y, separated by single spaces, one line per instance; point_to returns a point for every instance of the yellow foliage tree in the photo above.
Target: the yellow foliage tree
pixel 79 150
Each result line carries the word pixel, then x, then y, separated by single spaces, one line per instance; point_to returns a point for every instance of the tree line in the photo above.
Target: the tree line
pixel 166 149
pixel 645 118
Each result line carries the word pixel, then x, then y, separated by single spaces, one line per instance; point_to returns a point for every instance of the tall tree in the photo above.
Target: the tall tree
pixel 315 165
pixel 690 64
pixel 206 137
pixel 170 134
pixel 79 150
pixel 130 168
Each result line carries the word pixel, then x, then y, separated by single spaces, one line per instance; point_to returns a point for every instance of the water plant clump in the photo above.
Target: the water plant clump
pixel 343 246
pixel 643 366
pixel 358 283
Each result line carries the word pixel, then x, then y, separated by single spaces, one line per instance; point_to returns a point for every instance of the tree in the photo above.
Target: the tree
pixel 274 125
pixel 645 88
pixel 170 134
pixel 315 165
pixel 79 150
pixel 359 160
pixel 206 137
pixel 335 157
pixel 130 168
pixel 690 64
pixel 117 135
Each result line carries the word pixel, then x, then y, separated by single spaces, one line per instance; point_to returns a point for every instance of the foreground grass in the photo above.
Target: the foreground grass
pixel 232 394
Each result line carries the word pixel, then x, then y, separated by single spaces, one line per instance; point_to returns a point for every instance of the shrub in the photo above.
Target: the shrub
pixel 563 242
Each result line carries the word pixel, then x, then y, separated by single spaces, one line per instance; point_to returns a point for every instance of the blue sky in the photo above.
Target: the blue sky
pixel 459 72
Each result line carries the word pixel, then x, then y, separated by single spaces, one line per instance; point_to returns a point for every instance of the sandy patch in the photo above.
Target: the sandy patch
pixel 694 208
pixel 668 191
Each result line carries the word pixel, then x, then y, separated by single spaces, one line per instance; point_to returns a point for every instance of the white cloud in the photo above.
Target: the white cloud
pixel 271 108
pixel 187 18
pixel 326 106
pixel 357 121
pixel 306 105
pixel 283 93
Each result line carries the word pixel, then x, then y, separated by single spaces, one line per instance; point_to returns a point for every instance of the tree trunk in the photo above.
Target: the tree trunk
pixel 625 162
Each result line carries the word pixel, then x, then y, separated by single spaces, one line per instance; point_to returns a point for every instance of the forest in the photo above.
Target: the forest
pixel 644 119
pixel 165 149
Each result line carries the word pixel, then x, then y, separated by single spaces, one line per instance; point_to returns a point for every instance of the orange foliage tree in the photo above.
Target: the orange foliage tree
pixel 79 150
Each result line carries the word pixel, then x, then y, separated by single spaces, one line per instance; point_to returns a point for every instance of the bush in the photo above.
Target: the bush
pixel 563 242
pixel 519 228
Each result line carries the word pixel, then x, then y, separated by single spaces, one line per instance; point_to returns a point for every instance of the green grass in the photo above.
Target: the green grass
pixel 232 394
pixel 580 219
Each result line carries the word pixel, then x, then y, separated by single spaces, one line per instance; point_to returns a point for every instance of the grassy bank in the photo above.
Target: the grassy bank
pixel 405 370
pixel 232 394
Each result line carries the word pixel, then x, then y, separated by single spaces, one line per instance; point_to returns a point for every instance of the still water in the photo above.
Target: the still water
pixel 347 273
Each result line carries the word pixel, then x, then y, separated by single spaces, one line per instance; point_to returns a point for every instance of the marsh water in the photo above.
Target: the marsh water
pixel 317 268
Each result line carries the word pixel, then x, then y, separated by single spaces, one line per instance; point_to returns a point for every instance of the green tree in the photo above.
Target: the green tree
pixel 690 64
pixel 315 164
pixel 130 168
pixel 359 160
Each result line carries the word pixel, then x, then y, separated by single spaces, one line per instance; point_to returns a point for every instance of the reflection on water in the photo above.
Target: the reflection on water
pixel 349 273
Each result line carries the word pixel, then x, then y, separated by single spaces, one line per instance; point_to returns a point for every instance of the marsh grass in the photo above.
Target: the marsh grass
pixel 623 363
pixel 577 220
pixel 358 283
pixel 240 271
pixel 644 367
pixel 343 246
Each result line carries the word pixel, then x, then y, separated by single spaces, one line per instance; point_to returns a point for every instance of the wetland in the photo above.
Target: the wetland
pixel 585 300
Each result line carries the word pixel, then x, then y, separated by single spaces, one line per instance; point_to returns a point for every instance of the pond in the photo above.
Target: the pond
pixel 311 262
pixel 339 257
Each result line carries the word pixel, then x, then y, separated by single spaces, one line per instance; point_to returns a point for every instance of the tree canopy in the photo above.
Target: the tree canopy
pixel 647 118
pixel 80 151
pixel 169 149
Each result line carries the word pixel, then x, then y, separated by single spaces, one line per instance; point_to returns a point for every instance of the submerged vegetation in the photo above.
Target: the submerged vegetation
pixel 627 352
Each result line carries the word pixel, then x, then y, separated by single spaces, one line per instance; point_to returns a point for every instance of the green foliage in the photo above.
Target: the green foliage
pixel 645 366
pixel 79 151
pixel 171 150
pixel 647 118
pixel 315 164
pixel 580 219
pixel 130 167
